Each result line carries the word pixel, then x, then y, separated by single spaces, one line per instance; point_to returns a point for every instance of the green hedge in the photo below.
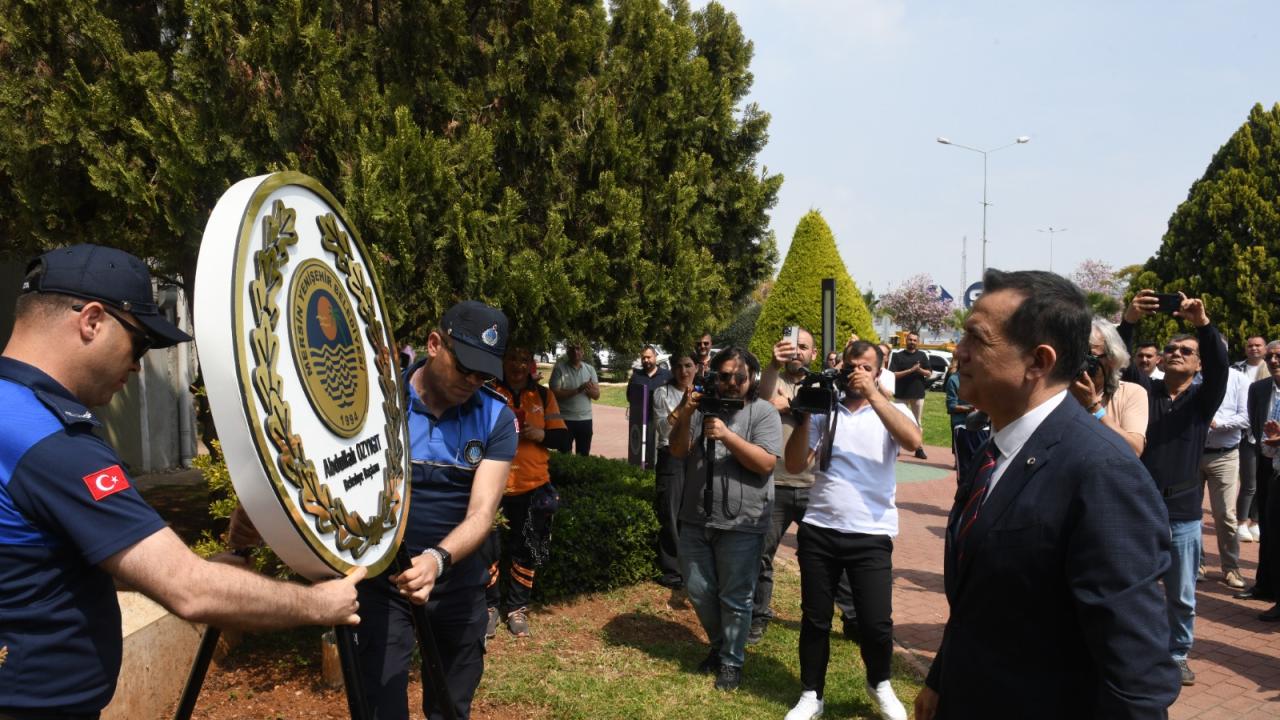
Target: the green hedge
pixel 605 530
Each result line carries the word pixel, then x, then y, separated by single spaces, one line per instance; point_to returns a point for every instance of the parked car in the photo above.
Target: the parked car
pixel 664 358
pixel 939 361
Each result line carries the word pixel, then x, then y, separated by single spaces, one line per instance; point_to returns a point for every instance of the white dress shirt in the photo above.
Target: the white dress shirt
pixel 1013 436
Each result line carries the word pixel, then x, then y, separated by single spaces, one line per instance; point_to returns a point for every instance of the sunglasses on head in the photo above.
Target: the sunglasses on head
pixel 463 369
pixel 138 337
pixel 1186 351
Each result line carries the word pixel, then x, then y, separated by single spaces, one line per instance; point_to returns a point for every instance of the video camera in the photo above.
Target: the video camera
pixel 819 392
pixel 712 402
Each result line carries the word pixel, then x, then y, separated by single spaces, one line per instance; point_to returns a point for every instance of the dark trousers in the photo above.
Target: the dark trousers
pixel 521 548
pixel 43 715
pixel 789 504
pixel 385 642
pixel 1268 577
pixel 1246 508
pixel 581 432
pixel 669 482
pixel 824 554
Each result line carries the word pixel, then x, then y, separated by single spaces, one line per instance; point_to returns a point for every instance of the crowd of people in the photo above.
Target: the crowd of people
pixel 1071 552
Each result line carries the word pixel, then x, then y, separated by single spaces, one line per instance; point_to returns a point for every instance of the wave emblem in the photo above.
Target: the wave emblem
pixel 327 349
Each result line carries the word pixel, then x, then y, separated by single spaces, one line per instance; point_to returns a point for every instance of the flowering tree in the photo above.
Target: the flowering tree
pixel 915 304
pixel 1101 286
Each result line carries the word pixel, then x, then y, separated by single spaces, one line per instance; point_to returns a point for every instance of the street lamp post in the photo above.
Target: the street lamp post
pixel 1024 139
pixel 1051 230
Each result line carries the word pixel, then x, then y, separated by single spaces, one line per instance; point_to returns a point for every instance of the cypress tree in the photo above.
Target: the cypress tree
pixel 1223 241
pixel 796 298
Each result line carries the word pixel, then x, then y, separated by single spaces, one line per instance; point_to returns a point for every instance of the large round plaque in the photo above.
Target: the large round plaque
pixel 298 359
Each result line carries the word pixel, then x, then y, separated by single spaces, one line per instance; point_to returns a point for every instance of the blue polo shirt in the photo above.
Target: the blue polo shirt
pixel 445 452
pixel 66 504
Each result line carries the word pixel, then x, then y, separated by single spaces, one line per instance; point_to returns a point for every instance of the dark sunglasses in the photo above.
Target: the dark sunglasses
pixel 1186 351
pixel 1269 357
pixel 728 377
pixel 138 337
pixel 483 376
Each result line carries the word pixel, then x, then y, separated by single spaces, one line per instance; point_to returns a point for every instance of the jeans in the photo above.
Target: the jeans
pixel 825 555
pixel 669 483
pixel 720 568
pixel 581 432
pixel 1180 585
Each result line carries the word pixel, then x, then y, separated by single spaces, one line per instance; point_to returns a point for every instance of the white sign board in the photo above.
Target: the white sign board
pixel 300 368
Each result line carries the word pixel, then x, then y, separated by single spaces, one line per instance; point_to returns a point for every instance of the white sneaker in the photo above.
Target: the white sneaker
pixel 1244 534
pixel 808 707
pixel 1256 532
pixel 886 702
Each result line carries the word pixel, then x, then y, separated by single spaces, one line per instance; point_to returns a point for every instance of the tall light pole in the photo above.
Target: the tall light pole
pixel 1020 141
pixel 1051 230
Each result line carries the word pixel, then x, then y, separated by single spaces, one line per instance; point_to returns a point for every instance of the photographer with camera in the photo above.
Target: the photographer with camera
pixel 850 524
pixel 730 441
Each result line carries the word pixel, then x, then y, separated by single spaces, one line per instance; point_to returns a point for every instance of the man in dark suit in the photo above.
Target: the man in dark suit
pixel 1262 405
pixel 1058 536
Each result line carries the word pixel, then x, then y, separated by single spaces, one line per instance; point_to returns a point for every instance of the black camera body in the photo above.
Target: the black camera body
pixel 711 402
pixel 1091 364
pixel 819 392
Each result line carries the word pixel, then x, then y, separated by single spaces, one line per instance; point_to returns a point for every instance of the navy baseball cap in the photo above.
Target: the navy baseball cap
pixel 108 275
pixel 478 334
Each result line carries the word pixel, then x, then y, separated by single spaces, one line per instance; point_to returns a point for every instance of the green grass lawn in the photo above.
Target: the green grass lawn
pixel 631 654
pixel 614 395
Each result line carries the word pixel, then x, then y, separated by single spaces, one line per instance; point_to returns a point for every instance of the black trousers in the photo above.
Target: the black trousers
pixel 385 642
pixel 824 555
pixel 669 483
pixel 581 432
pixel 519 550
pixel 1268 499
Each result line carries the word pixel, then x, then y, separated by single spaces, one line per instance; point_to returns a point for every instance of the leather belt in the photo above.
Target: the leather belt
pixel 1179 489
pixel 1219 451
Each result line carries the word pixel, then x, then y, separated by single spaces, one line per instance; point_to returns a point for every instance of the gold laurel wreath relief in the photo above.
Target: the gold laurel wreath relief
pixel 353 533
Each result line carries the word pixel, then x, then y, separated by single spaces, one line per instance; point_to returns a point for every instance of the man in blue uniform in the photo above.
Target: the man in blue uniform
pixel 462 438
pixel 70 520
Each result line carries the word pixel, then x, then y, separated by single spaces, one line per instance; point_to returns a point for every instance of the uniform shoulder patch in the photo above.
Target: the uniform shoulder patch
pixel 107 481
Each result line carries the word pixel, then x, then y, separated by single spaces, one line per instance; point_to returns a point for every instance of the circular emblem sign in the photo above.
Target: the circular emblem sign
pixel 316 442
pixel 330 359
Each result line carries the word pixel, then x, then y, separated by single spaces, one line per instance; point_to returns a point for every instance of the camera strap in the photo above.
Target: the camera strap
pixel 824 456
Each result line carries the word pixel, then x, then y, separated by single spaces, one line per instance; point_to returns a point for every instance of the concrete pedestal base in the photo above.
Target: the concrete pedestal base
pixel 158 650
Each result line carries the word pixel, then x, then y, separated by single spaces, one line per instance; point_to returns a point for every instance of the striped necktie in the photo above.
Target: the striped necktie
pixel 973 505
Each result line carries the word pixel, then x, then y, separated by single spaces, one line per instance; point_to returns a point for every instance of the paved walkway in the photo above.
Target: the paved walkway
pixel 1236 657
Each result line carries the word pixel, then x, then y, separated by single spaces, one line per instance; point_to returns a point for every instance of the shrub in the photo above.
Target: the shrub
pixel 796 298
pixel 605 529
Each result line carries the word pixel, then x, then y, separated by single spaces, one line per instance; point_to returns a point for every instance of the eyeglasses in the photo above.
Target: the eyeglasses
pixel 1271 357
pixel 728 377
pixel 484 377
pixel 1186 351
pixel 138 337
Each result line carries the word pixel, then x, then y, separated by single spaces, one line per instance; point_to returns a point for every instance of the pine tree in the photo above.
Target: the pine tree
pixel 1223 241
pixel 796 298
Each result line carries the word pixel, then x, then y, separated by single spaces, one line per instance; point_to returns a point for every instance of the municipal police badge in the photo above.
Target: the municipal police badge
pixel 316 447
pixel 473 452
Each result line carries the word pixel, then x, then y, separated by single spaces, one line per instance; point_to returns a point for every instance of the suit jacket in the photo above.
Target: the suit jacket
pixel 1259 407
pixel 1055 608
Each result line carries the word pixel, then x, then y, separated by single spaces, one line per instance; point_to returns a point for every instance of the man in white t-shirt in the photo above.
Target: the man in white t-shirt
pixel 849 526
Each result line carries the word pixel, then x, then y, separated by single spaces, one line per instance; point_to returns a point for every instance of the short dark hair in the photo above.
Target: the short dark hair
pixel 858 348
pixel 1053 312
pixel 1147 343
pixel 1183 336
pixel 733 352
pixel 37 306
pixel 649 347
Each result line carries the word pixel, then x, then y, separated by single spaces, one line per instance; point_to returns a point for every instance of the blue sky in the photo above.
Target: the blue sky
pixel 1125 102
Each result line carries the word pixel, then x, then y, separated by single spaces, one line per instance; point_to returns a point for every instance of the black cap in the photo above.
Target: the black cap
pixel 479 335
pixel 107 275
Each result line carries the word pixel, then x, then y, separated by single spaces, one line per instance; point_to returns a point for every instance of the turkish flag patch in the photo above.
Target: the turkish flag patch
pixel 107 481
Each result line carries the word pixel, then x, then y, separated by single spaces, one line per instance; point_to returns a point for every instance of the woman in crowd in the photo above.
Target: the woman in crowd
pixel 1121 406
pixel 669 470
